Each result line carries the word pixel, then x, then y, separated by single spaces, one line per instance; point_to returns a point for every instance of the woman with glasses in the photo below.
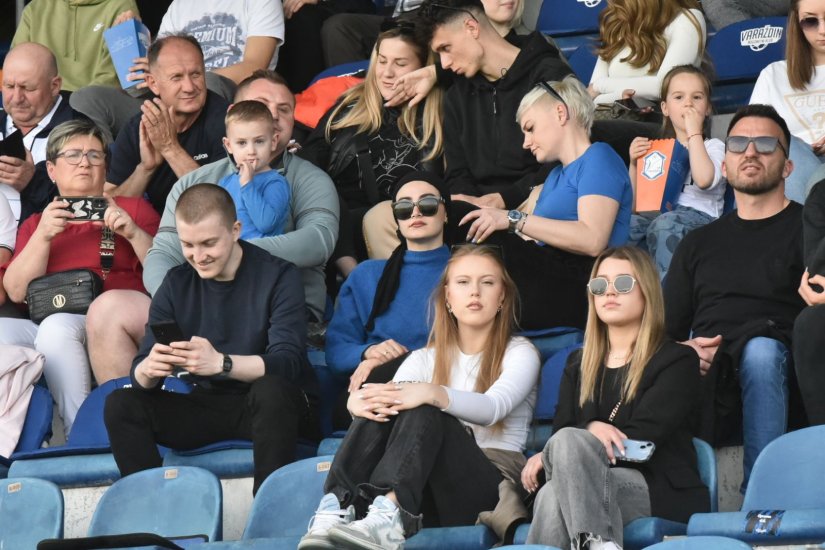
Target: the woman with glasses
pixel 583 207
pixel 366 147
pixel 627 383
pixel 54 241
pixel 382 306
pixel 641 40
pixel 421 449
pixel 794 87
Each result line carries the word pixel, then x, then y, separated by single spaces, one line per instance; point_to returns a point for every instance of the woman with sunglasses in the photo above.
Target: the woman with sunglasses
pixel 627 383
pixel 366 147
pixel 583 207
pixel 794 88
pixel 382 306
pixel 54 241
pixel 422 450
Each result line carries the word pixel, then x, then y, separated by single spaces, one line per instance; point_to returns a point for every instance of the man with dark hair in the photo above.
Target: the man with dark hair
pixel 244 353
pixel 731 291
pixel 176 132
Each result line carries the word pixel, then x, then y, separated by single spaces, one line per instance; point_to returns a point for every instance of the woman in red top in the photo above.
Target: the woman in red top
pixel 53 241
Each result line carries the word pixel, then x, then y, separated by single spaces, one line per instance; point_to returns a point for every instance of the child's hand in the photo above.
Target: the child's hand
pixel 246 170
pixel 694 120
pixel 638 147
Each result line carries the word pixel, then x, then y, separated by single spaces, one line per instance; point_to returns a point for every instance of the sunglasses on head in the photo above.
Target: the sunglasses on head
pixel 427 206
pixel 765 145
pixel 550 90
pixel 809 23
pixel 622 284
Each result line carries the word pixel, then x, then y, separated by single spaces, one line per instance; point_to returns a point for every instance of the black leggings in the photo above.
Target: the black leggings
pixel 809 361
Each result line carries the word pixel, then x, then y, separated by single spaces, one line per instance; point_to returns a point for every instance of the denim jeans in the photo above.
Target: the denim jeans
pixel 763 377
pixel 806 163
pixel 583 494
pixel 661 235
pixel 427 458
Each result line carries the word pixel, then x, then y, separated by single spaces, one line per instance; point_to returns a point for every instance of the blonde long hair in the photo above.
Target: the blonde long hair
pixel 651 332
pixel 444 333
pixel 640 25
pixel 362 105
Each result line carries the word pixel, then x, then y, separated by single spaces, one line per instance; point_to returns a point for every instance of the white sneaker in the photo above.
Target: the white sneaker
pixel 328 515
pixel 381 529
pixel 596 543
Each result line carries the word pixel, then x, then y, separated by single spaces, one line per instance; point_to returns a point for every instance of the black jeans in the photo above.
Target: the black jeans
pixel 273 414
pixel 427 458
pixel 809 361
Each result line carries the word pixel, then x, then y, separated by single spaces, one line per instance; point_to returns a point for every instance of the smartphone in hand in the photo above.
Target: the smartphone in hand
pixel 635 450
pixel 166 332
pixel 86 208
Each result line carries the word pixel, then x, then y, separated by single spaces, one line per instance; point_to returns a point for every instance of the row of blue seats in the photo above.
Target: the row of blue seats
pixel 784 504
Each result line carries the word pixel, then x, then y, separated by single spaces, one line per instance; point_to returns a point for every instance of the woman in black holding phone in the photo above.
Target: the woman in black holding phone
pixel 628 382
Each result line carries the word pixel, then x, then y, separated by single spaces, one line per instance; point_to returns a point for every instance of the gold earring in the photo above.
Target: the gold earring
pixel 449 308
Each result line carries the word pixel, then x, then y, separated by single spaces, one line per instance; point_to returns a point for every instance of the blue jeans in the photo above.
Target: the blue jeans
pixel 763 377
pixel 805 164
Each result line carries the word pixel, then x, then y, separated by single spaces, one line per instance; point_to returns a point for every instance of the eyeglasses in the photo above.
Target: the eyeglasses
pixel 809 23
pixel 430 10
pixel 74 156
pixel 623 284
pixel 765 145
pixel 550 90
pixel 428 206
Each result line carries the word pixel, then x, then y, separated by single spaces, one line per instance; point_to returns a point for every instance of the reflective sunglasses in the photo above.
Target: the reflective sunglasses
pixel 809 23
pixel 765 145
pixel 428 206
pixel 74 156
pixel 622 284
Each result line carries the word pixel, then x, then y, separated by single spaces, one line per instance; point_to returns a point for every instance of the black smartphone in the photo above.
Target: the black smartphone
pixel 635 103
pixel 167 332
pixel 12 146
pixel 86 208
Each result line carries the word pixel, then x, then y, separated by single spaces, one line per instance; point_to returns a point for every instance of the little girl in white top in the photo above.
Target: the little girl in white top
pixel 686 106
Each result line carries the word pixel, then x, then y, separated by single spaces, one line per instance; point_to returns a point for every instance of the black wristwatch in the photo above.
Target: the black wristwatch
pixel 513 217
pixel 227 365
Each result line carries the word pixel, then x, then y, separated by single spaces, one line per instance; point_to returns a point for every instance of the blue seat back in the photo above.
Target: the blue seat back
pixel 549 381
pixel 170 502
pixel 706 460
pixel 788 473
pixel 701 543
pixel 38 424
pixel 566 17
pixel 287 500
pixel 741 50
pixel 30 510
pixel 583 61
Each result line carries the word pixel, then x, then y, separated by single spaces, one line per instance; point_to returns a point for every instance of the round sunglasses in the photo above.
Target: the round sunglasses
pixel 622 284
pixel 427 206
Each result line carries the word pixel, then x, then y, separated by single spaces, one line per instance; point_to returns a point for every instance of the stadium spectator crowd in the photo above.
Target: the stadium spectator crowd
pixel 469 193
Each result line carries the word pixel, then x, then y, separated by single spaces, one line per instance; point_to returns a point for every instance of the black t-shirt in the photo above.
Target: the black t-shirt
pixel 203 140
pixel 732 271
pixel 610 390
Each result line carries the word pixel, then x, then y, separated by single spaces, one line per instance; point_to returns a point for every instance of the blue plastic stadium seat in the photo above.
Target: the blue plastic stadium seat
pixel 330 385
pixel 739 53
pixel 785 499
pixel 228 459
pixel 30 510
pixel 701 543
pixel 84 460
pixel 550 340
pixel 37 426
pixel 644 532
pixel 475 537
pixel 530 547
pixel 583 61
pixel 169 502
pixel 572 23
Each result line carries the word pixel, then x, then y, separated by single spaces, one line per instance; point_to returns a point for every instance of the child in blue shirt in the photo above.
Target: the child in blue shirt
pixel 261 194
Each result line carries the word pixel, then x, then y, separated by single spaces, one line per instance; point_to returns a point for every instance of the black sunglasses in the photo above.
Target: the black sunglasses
pixel 765 145
pixel 622 284
pixel 809 23
pixel 430 10
pixel 550 90
pixel 427 206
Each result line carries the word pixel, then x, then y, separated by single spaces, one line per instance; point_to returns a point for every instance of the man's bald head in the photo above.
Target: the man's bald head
pixel 30 84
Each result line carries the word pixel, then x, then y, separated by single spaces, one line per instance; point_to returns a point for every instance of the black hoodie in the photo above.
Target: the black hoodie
pixel 482 141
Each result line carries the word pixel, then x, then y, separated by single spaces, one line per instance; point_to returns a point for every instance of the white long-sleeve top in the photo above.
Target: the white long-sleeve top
pixel 611 79
pixel 511 399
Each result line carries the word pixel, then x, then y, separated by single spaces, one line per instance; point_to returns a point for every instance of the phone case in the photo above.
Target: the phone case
pixel 86 208
pixel 635 451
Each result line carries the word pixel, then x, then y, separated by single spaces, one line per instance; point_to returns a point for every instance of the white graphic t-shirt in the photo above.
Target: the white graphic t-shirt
pixel 803 110
pixel 222 26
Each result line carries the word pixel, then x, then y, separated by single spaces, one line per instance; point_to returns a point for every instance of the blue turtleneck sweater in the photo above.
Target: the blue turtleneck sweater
pixel 406 319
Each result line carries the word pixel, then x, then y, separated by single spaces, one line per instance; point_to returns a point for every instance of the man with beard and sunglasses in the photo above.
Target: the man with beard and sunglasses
pixel 731 292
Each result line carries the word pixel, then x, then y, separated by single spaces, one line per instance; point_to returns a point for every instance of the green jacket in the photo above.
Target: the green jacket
pixel 73 31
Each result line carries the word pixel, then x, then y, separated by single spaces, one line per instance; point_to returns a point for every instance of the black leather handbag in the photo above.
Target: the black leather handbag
pixel 70 291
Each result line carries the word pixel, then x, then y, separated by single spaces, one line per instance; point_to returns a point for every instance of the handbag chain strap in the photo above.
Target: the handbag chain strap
pixel 107 250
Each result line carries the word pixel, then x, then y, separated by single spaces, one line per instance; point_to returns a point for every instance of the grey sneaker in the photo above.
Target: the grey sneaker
pixel 381 529
pixel 328 514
